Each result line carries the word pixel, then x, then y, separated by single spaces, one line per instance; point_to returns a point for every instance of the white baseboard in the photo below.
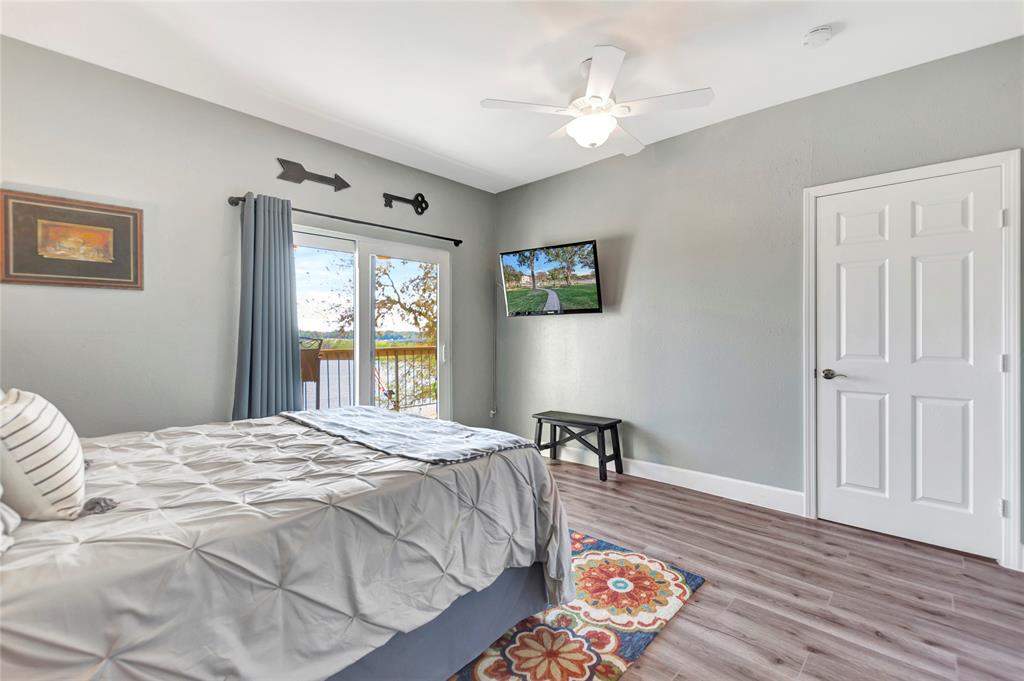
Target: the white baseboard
pixel 776 498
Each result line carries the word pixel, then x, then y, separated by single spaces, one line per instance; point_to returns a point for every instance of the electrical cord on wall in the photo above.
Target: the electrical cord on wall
pixel 498 290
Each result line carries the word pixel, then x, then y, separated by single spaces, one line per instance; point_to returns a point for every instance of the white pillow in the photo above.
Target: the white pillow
pixel 42 469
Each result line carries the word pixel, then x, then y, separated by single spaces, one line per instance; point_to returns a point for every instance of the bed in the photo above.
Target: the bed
pixel 268 549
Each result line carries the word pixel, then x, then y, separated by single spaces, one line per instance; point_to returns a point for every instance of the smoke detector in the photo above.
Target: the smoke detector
pixel 818 36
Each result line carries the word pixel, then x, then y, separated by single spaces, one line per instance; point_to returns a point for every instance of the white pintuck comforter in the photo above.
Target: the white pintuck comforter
pixel 264 549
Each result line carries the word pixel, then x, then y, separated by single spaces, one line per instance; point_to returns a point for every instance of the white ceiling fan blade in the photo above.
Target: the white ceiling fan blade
pixel 676 100
pixel 560 133
pixel 526 106
pixel 604 69
pixel 627 141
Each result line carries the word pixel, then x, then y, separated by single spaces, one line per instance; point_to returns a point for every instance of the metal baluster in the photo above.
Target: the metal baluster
pixel 330 388
pixel 398 386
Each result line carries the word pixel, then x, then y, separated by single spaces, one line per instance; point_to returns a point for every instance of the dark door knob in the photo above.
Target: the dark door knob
pixel 828 375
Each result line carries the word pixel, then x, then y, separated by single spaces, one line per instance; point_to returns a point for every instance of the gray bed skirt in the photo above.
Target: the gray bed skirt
pixel 439 648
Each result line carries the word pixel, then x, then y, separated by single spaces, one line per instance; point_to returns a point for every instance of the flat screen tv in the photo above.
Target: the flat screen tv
pixel 560 279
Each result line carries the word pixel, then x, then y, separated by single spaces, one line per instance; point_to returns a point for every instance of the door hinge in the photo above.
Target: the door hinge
pixel 1004 508
pixel 1005 218
pixel 1004 363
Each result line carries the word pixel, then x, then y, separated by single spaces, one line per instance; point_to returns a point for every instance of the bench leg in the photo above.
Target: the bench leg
pixel 537 433
pixel 554 442
pixel 602 463
pixel 617 448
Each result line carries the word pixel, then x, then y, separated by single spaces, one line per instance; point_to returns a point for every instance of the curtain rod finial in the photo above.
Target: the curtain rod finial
pixel 235 200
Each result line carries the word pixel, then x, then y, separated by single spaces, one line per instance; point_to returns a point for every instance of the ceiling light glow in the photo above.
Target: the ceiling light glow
pixel 591 130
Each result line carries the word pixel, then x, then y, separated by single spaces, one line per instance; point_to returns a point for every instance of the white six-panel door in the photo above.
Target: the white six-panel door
pixel 909 317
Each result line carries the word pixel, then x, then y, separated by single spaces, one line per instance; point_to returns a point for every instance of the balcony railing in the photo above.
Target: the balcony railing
pixel 404 379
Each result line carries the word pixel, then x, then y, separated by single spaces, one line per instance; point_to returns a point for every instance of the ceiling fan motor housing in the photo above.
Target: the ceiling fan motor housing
pixel 583 106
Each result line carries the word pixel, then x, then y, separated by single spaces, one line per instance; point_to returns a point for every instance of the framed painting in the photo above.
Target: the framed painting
pixel 65 242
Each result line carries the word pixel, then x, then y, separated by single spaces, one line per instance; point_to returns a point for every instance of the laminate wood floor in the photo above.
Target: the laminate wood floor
pixel 791 598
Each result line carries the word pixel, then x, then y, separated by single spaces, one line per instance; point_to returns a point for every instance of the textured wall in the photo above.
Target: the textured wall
pixel 124 360
pixel 700 239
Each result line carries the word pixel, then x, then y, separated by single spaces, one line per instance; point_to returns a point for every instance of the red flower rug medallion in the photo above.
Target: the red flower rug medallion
pixel 623 599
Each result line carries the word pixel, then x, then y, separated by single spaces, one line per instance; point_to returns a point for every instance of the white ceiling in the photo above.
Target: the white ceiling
pixel 404 80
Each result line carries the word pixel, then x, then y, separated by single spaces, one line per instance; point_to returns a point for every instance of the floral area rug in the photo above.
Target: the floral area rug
pixel 623 599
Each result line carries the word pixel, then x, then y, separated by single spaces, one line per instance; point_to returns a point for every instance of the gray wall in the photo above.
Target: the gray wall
pixel 700 241
pixel 699 237
pixel 123 360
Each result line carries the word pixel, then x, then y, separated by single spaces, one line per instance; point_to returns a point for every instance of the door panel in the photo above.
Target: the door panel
pixel 862 228
pixel 864 310
pixel 909 313
pixel 405 325
pixel 864 442
pixel 943 308
pixel 326 298
pixel 944 214
pixel 943 451
pixel 405 335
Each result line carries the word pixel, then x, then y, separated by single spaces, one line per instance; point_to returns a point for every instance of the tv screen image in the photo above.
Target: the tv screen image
pixel 561 279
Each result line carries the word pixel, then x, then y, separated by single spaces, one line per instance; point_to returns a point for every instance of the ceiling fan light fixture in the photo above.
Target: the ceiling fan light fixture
pixel 595 113
pixel 591 130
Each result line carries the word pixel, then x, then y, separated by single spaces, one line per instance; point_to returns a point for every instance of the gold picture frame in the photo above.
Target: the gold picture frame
pixel 66 242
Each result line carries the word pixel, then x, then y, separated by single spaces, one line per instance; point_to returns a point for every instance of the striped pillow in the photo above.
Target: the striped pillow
pixel 42 469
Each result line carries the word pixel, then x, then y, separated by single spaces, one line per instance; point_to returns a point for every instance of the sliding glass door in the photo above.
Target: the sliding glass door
pixel 374 323
pixel 405 334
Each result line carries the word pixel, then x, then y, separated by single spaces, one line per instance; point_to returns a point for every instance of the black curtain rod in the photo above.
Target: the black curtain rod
pixel 237 201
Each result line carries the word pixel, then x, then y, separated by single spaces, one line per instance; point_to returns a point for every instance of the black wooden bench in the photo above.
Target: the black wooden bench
pixel 566 421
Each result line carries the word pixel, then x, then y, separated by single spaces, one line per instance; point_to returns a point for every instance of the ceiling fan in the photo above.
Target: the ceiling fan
pixel 596 114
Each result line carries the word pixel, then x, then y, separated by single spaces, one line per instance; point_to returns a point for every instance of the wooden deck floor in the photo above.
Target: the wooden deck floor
pixel 791 598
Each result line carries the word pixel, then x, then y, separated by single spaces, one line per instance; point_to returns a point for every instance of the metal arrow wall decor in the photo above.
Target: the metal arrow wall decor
pixel 294 172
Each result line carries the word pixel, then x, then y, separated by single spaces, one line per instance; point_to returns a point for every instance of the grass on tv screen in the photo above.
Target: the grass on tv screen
pixel 552 280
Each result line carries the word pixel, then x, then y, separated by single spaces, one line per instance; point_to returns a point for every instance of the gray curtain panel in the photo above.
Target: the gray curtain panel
pixel 267 380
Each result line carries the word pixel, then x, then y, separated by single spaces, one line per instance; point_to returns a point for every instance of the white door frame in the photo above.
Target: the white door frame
pixel 1009 162
pixel 365 247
